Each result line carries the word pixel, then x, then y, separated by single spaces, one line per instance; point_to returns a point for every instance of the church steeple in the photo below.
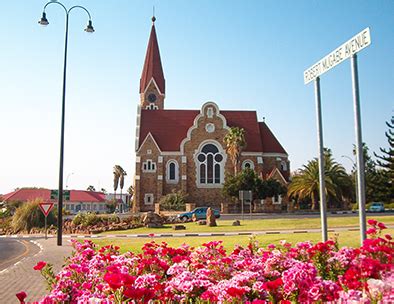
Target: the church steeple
pixel 152 83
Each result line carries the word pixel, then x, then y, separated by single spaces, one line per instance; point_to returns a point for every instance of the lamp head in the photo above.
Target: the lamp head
pixel 89 27
pixel 43 21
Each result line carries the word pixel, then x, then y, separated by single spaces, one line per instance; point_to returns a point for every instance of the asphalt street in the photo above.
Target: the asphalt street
pixel 13 250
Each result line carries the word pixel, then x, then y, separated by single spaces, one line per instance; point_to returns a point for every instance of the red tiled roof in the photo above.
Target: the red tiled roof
pixel 75 195
pixel 269 141
pixel 152 66
pixel 169 128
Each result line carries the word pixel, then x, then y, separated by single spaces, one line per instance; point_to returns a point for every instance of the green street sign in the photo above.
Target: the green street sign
pixel 66 195
pixel 54 194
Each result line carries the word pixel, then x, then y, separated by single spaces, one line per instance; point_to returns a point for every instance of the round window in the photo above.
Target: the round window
pixel 218 158
pixel 201 157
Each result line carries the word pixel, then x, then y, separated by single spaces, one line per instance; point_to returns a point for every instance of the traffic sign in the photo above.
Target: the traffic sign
pixel 46 208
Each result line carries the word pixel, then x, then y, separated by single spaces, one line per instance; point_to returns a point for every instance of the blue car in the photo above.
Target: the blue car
pixel 201 214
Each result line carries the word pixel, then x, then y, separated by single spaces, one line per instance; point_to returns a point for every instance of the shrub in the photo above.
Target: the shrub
pixel 29 216
pixel 86 219
pixel 174 201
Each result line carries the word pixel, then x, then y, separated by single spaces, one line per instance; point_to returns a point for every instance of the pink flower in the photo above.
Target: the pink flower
pixel 40 265
pixel 21 296
pixel 382 226
pixel 371 231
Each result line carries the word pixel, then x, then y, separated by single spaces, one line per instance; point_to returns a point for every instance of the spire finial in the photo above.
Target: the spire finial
pixel 153 17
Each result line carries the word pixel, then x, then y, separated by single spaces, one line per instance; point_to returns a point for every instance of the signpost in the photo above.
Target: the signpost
pixel 66 197
pixel 245 195
pixel 347 50
pixel 46 209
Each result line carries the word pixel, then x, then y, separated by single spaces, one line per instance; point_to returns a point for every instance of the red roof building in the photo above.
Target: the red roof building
pixel 80 200
pixel 184 149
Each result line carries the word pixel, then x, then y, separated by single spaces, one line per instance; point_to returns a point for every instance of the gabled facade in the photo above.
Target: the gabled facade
pixel 184 149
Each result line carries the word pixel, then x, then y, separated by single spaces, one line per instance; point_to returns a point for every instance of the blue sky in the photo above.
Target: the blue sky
pixel 240 54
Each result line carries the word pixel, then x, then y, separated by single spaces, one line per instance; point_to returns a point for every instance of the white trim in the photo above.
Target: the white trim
pixel 280 174
pixel 147 196
pixel 277 202
pixel 138 159
pixel 146 138
pixel 137 129
pixel 184 159
pixel 149 151
pixel 155 83
pixel 248 161
pixel 275 155
pixel 168 180
pixel 160 177
pixel 184 177
pixel 137 177
pixel 196 119
pixel 160 159
pixel 222 164
pixel 252 153
pixel 171 153
pixel 260 160
pixel 210 127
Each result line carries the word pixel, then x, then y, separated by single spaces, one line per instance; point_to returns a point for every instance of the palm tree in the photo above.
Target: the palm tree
pixel 116 179
pixel 91 188
pixel 119 174
pixel 235 143
pixel 130 191
pixel 305 183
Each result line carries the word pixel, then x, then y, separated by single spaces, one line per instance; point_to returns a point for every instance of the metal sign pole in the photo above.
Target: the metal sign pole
pixel 359 150
pixel 46 233
pixel 242 208
pixel 323 212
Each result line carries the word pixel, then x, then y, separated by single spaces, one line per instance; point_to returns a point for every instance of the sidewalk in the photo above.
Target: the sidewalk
pixel 22 276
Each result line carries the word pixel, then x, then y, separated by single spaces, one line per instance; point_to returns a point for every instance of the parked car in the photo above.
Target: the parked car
pixel 376 207
pixel 201 214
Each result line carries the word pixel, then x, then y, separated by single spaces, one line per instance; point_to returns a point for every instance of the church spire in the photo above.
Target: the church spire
pixel 152 66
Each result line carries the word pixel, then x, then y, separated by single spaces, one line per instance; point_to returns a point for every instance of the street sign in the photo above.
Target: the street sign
pixel 346 50
pixel 66 195
pixel 54 194
pixel 46 208
pixel 245 195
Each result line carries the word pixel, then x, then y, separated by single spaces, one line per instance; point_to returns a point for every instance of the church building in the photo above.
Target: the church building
pixel 184 149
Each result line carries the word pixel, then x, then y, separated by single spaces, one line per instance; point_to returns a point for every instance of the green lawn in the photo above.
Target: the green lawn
pixel 345 238
pixel 258 225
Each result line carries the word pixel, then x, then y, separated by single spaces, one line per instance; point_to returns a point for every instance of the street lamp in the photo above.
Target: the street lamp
pixel 89 28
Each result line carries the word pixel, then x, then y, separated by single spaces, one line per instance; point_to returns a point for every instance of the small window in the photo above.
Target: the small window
pixel 149 166
pixel 248 164
pixel 148 199
pixel 72 207
pixel 210 112
pixel 277 200
pixel 283 166
pixel 172 174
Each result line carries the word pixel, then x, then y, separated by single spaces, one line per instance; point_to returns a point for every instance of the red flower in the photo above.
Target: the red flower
pixel 382 226
pixel 114 280
pixel 21 296
pixel 372 222
pixel 371 231
pixel 235 292
pixel 40 265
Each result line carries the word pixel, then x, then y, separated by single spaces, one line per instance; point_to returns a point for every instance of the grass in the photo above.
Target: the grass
pixel 258 225
pixel 345 238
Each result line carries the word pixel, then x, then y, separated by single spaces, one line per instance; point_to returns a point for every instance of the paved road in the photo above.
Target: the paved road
pixel 21 276
pixel 13 250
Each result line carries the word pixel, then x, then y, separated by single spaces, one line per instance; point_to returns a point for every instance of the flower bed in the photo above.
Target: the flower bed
pixel 304 273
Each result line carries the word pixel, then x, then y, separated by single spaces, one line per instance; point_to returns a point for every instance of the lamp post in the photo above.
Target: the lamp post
pixel 89 28
pixel 72 173
pixel 355 179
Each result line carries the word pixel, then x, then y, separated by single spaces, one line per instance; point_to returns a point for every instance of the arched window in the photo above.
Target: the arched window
pixel 172 175
pixel 210 166
pixel 283 166
pixel 248 164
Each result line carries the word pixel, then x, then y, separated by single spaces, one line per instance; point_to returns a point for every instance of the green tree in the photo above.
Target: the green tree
pixel 91 188
pixel 386 161
pixel 174 201
pixel 235 143
pixel 119 175
pixel 305 183
pixel 247 179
